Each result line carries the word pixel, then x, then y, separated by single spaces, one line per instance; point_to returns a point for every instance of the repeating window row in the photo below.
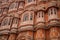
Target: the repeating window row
pixel 40 14
pixel 9 21
pixel 27 17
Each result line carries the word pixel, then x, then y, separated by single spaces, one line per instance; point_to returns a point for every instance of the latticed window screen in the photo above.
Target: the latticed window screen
pixel 25 17
pixel 15 21
pixel 40 14
pixel 13 5
pixel 6 21
pixel 52 11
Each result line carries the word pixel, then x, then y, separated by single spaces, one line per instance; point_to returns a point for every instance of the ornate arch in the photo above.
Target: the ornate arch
pixel 6 21
pixel 26 17
pixel 13 5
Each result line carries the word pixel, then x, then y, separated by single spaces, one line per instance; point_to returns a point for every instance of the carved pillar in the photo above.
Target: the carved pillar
pixel 40 35
pixel 54 33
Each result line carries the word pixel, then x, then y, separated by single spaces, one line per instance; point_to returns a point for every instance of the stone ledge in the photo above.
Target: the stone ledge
pixel 26 28
pixel 14 30
pixel 4 32
pixel 38 26
pixel 54 24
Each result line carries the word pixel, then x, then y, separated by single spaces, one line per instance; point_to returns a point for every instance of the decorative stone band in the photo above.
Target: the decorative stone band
pixel 26 28
pixel 4 32
pixel 54 22
pixel 25 37
pixel 39 25
pixel 13 30
pixel 54 38
pixel 40 38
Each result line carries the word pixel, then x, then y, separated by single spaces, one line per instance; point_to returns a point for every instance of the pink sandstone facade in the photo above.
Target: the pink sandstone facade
pixel 29 19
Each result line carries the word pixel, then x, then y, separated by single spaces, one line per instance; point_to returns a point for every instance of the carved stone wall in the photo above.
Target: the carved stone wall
pixel 29 20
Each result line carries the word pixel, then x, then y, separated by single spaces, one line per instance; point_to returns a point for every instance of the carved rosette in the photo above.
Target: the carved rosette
pixel 40 34
pixel 54 34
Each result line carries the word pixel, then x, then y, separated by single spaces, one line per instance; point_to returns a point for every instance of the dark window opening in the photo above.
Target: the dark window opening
pixel 31 17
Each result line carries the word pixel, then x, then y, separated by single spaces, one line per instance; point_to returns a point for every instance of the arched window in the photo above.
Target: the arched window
pixel 15 21
pixel 40 14
pixel 5 10
pixel 26 17
pixel 52 11
pixel 13 5
pixel 6 21
pixel 31 16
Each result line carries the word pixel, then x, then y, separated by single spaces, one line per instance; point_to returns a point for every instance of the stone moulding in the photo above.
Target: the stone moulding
pixel 26 28
pixel 40 38
pixel 4 32
pixel 54 22
pixel 13 30
pixel 40 25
